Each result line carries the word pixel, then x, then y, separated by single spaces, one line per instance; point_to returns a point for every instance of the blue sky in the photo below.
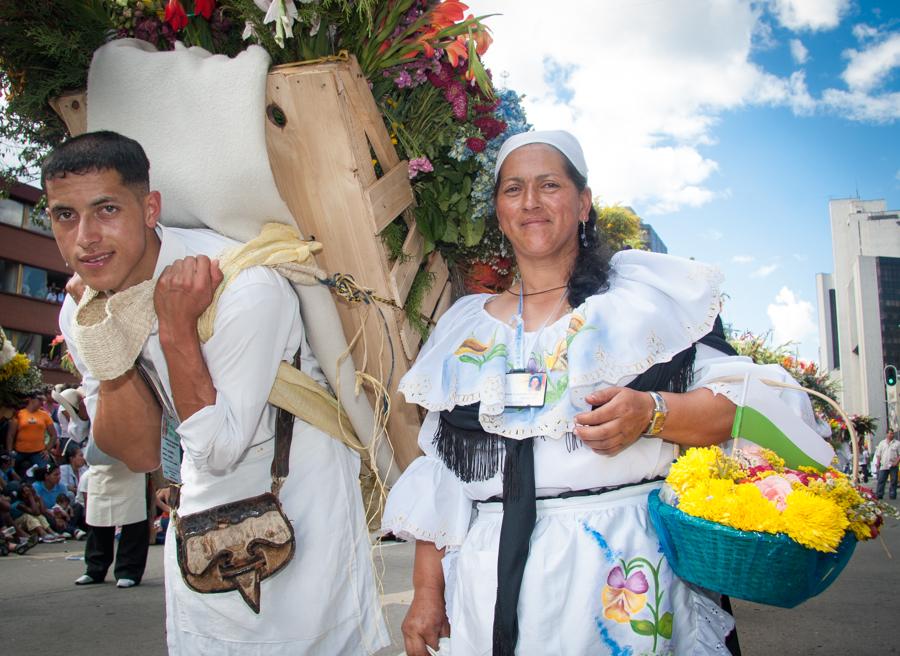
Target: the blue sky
pixel 727 125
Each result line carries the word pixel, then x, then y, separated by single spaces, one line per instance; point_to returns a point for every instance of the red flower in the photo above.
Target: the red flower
pixel 475 144
pixel 175 15
pixel 447 13
pixel 204 8
pixel 490 127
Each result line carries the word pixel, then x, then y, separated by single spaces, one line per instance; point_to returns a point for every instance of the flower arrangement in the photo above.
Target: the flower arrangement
pixel 18 374
pixel 752 490
pixel 422 59
pixel 808 375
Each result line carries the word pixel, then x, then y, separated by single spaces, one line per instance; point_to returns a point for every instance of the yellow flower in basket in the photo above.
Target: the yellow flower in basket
pixel 813 521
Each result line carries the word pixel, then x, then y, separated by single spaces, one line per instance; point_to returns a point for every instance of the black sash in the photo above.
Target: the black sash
pixel 475 455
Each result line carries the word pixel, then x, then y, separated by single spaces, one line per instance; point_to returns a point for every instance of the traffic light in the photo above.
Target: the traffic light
pixel 890 375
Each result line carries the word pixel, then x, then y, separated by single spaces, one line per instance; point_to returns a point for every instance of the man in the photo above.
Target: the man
pixel 104 218
pixel 887 455
pixel 25 437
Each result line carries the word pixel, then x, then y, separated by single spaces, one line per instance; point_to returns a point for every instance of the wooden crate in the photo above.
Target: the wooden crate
pixel 322 132
pixel 323 129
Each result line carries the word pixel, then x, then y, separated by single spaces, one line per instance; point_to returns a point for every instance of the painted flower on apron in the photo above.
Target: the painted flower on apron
pixel 623 597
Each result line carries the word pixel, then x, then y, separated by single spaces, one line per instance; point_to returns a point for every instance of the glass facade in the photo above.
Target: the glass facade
pixel 16 278
pixel 888 273
pixel 12 212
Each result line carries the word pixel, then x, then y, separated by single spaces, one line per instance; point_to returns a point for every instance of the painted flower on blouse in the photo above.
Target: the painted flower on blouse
pixel 473 351
pixel 624 597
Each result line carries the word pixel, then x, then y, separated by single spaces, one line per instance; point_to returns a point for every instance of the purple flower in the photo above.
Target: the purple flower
pixel 403 80
pixel 419 165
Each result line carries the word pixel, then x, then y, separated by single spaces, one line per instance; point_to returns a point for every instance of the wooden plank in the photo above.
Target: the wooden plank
pixel 443 303
pixel 72 109
pixel 389 196
pixel 404 271
pixel 364 106
pixel 438 267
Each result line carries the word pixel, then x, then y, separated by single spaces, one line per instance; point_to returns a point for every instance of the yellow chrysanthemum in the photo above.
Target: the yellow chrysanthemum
pixel 773 459
pixel 17 366
pixel 753 512
pixel 861 530
pixel 813 521
pixel 700 464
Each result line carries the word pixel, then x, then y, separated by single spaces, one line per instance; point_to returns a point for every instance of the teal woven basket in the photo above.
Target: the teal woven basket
pixel 759 567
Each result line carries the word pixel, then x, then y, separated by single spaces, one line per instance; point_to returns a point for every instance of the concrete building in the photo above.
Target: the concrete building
pixel 651 240
pixel 32 277
pixel 859 303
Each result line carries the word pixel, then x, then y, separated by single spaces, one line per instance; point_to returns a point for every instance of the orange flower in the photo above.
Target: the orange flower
pixel 481 37
pixel 447 13
pixel 457 51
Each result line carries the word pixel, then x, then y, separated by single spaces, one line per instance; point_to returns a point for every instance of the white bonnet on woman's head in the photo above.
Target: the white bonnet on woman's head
pixel 563 141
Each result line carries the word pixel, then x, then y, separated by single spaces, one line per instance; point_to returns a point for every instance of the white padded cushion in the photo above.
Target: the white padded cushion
pixel 201 119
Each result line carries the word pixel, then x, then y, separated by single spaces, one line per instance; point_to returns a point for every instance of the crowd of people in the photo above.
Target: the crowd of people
pixel 41 469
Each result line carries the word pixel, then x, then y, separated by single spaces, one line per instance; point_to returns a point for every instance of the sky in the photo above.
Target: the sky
pixel 727 125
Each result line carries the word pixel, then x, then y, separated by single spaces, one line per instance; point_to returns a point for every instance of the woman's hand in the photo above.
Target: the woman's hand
pixel 620 418
pixel 426 622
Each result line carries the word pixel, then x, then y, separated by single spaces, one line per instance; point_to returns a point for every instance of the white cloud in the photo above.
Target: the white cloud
pixel 809 14
pixel 863 32
pixel 643 106
pixel 743 259
pixel 799 51
pixel 860 106
pixel 791 318
pixel 868 68
pixel 764 270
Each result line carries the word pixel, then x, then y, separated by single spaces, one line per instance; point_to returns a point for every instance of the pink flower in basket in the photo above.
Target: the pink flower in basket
pixel 775 489
pixel 623 597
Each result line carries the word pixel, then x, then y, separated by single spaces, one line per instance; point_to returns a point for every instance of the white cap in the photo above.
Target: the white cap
pixel 563 141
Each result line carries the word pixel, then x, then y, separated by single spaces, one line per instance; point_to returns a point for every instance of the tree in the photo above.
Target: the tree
pixel 620 227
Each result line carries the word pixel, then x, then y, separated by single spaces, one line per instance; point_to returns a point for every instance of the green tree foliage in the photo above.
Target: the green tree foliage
pixel 620 227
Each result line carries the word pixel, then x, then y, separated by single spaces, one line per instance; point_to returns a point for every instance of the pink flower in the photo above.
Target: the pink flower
pixel 419 165
pixel 775 489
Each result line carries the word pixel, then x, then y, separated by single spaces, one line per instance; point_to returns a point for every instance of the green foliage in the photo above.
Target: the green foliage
pixel 421 285
pixel 619 227
pixel 443 213
pixel 45 50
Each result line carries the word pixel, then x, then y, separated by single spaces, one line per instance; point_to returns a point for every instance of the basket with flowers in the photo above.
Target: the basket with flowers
pixel 748 525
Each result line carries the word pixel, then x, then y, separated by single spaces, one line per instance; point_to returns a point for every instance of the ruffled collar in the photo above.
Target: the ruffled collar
pixel 655 307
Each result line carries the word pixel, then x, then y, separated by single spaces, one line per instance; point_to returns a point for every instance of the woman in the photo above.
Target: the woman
pixel 73 468
pixel 629 347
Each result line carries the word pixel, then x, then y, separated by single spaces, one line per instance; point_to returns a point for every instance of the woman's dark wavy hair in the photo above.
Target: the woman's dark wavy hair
pixel 590 273
pixel 99 151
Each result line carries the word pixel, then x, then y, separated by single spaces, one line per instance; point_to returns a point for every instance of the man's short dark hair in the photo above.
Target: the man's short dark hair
pixel 93 152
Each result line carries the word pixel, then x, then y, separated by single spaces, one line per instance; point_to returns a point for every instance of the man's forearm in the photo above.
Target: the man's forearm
pixel 192 386
pixel 128 422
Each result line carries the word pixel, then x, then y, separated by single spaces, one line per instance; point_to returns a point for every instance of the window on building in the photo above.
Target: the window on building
pixel 34 282
pixel 39 223
pixel 888 274
pixel 9 277
pixel 11 212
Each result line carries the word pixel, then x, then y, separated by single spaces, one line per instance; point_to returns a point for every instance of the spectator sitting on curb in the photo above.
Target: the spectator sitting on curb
pixel 48 487
pixel 28 514
pixel 71 513
pixel 8 475
pixel 72 468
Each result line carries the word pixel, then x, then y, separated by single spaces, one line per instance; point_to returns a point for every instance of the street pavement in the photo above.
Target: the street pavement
pixel 43 612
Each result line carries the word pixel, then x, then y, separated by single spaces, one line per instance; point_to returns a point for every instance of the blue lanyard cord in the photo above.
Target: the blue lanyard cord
pixel 520 324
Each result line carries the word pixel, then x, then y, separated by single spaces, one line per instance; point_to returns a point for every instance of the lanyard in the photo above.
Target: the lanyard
pixel 520 324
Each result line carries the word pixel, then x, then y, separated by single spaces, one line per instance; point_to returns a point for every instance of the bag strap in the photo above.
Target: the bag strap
pixel 284 433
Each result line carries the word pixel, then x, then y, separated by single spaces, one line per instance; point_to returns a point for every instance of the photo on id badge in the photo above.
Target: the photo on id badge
pixel 525 389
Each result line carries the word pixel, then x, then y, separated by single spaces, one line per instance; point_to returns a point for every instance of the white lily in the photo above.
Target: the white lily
pixel 281 12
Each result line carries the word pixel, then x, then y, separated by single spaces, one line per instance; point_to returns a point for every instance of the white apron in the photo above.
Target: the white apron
pixel 595 584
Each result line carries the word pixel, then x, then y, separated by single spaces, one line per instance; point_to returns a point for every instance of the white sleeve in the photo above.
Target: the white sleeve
pixel 711 365
pixel 258 314
pixel 428 502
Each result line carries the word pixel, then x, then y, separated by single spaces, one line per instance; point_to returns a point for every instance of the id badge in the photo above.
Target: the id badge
pixel 171 450
pixel 525 389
